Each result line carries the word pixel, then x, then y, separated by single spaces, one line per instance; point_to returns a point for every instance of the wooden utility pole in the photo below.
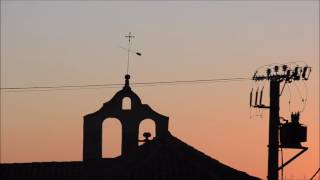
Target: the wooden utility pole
pixel 274 123
pixel 290 137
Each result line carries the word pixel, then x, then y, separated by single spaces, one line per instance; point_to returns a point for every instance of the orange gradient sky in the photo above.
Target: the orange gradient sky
pixel 72 43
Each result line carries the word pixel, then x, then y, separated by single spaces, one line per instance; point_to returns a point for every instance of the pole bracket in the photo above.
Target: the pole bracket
pixel 303 149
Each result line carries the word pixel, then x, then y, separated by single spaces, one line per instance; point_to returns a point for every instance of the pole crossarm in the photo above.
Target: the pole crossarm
pixel 261 106
pixel 287 74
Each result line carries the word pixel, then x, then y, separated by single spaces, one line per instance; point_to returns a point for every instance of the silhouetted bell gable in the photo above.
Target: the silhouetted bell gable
pixel 165 157
pixel 130 119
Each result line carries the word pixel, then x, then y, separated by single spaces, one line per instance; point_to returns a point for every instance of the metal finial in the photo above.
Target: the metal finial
pixel 127 77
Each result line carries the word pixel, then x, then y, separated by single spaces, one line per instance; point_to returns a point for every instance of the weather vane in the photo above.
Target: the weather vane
pixel 130 36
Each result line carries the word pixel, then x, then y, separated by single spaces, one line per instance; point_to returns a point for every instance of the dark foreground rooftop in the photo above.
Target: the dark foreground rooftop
pixel 160 159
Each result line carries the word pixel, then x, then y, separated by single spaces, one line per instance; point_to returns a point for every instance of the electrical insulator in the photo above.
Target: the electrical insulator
pixel 268 72
pixel 251 97
pixel 261 94
pixel 276 69
pixel 256 99
pixel 284 68
pixel 288 78
pixel 296 74
pixel 306 73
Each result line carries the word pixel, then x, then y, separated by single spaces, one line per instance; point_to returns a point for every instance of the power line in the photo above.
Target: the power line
pixel 115 85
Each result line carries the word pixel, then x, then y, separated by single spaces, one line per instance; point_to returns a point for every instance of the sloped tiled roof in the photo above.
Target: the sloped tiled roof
pixel 161 159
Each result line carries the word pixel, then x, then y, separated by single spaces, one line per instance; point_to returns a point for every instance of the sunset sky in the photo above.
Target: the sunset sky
pixel 55 43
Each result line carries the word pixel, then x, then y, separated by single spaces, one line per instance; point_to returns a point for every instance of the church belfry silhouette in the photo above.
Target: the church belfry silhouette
pixel 163 157
pixel 130 119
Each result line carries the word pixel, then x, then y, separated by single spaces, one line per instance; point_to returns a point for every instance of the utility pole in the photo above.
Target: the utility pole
pixel 274 122
pixel 289 134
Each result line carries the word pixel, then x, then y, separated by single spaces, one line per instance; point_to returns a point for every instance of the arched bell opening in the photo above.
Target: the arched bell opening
pixel 126 103
pixel 147 131
pixel 111 138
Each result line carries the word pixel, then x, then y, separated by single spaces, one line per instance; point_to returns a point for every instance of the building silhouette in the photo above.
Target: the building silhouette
pixel 130 119
pixel 164 157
